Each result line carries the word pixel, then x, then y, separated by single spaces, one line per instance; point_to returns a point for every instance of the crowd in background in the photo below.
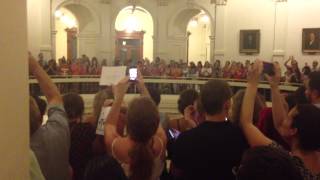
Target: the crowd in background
pixel 219 135
pixel 174 69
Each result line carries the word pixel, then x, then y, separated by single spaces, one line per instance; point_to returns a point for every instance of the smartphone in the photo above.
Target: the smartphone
pixel 133 74
pixel 173 133
pixel 268 68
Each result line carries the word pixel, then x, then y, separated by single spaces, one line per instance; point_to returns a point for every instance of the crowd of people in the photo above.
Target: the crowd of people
pixel 174 69
pixel 220 135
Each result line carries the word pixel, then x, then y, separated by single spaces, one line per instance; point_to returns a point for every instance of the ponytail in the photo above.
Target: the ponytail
pixel 141 165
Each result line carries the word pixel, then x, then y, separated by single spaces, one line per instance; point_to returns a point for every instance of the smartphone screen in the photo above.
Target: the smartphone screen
pixel 268 68
pixel 174 134
pixel 133 74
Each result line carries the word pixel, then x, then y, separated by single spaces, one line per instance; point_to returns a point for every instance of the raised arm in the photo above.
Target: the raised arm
pixel 141 86
pixel 254 136
pixel 48 88
pixel 279 109
pixel 110 128
pixel 286 64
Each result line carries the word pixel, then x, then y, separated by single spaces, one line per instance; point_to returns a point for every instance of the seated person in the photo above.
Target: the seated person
pixel 300 127
pixel 210 150
pixel 50 142
pixel 142 152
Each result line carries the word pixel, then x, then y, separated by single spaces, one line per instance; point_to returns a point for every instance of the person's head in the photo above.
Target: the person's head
pixel 313 87
pixel 306 71
pixel 99 100
pixel 74 106
pixel 294 64
pixel 52 63
pixel 237 100
pixel 266 163
pixel 155 95
pixel 227 64
pixel 315 64
pixel 312 36
pixel 300 96
pixel 94 61
pixel 187 98
pixel 305 124
pixel 103 168
pixel 302 128
pixel 34 116
pixel 40 56
pixel 207 64
pixel 215 97
pixel 192 65
pixel 42 104
pixel 142 124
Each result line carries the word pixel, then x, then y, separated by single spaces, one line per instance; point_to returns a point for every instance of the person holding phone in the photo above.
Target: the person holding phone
pixel 300 127
pixel 141 153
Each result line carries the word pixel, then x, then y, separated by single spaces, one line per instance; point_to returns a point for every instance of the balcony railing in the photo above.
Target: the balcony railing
pixel 168 86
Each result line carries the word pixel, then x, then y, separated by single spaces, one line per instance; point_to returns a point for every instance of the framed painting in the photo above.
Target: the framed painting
pixel 310 40
pixel 250 41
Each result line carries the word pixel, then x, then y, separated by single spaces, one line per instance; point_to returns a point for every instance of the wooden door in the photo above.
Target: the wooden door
pixel 72 45
pixel 129 47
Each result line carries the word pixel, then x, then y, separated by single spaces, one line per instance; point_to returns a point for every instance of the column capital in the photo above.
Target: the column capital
pixel 54 32
pixel 212 38
pixel 163 2
pixel 105 1
pixel 219 2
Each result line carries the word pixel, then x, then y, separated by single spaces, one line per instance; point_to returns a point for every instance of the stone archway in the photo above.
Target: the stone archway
pixel 178 31
pixel 88 27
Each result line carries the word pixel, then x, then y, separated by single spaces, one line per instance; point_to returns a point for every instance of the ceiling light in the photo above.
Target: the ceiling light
pixel 58 14
pixel 205 19
pixel 193 23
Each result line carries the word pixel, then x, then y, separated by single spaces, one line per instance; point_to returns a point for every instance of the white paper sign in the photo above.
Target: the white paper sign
pixel 112 75
pixel 102 119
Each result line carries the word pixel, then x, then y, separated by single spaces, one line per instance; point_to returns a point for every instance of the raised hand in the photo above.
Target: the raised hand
pixel 120 89
pixel 188 116
pixel 254 72
pixel 141 86
pixel 275 79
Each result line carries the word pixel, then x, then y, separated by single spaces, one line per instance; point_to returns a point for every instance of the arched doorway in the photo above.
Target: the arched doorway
pixel 198 32
pixel 66 42
pixel 134 35
pixel 84 31
pixel 191 34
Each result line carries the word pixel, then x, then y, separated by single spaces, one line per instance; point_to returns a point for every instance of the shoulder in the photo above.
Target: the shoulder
pixel 120 149
pixel 57 114
pixel 187 137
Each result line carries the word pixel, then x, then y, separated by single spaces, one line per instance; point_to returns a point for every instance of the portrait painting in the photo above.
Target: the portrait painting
pixel 310 40
pixel 250 41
